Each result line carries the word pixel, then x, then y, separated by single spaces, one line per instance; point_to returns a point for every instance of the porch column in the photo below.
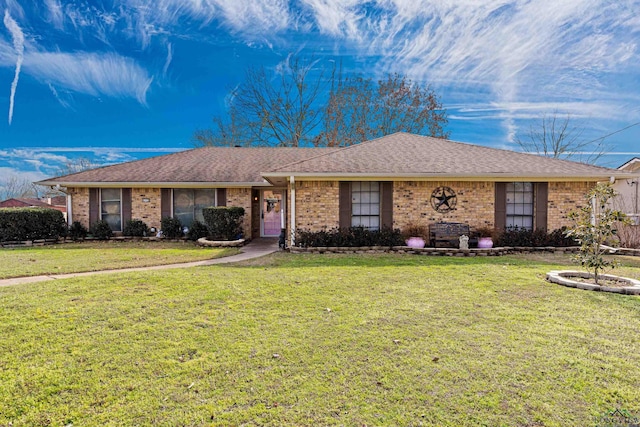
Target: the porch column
pixel 292 210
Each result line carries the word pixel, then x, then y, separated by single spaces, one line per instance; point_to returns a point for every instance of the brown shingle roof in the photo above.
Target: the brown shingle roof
pixel 404 154
pixel 200 165
pixel 396 155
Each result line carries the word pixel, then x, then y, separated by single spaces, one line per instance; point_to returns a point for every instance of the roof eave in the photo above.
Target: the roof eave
pixel 148 184
pixel 506 177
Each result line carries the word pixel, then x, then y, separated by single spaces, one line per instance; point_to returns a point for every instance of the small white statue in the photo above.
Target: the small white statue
pixel 464 242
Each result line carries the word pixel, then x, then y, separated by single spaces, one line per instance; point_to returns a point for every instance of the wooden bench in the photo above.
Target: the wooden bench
pixel 447 234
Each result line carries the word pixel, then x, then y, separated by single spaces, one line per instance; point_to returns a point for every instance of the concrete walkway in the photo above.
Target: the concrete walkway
pixel 255 249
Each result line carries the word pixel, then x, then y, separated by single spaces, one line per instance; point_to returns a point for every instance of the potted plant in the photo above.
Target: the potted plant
pixel 415 235
pixel 485 237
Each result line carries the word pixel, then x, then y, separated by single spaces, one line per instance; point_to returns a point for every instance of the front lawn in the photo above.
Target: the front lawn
pixel 92 256
pixel 305 340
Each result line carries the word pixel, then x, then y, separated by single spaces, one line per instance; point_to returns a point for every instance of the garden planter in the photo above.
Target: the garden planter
pixel 621 285
pixel 485 243
pixel 415 242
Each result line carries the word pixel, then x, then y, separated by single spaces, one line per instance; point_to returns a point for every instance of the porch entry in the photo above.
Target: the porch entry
pixel 272 212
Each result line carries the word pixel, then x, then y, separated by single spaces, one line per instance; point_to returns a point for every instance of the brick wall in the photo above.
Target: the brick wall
pixel 565 197
pixel 241 197
pixel 79 205
pixel 317 204
pixel 150 212
pixel 475 203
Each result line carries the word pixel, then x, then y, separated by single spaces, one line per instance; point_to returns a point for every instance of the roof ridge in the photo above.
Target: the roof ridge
pixel 336 150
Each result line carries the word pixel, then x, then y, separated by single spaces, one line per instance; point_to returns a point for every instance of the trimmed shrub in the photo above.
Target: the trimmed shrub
pixel 171 228
pixel 135 228
pixel 197 231
pixel 77 231
pixel 415 230
pixel 225 223
pixel 31 224
pixel 349 237
pixel 101 230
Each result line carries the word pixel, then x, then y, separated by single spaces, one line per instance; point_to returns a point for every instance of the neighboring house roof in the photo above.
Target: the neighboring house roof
pixel 23 202
pixel 400 155
pixel 632 165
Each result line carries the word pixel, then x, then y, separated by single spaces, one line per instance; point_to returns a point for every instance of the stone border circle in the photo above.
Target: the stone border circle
pixel 563 277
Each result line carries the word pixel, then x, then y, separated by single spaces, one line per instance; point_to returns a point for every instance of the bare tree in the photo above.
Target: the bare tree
pixel 284 112
pixel 557 137
pixel 14 186
pixel 359 109
pixel 308 105
pixel 76 165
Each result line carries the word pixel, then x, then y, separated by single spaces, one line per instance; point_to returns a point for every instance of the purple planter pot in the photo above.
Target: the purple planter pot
pixel 485 242
pixel 415 242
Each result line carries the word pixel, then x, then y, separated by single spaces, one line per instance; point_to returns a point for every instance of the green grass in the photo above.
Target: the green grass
pixel 376 340
pixel 92 256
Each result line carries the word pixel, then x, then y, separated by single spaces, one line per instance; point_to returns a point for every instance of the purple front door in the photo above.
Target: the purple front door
pixel 272 212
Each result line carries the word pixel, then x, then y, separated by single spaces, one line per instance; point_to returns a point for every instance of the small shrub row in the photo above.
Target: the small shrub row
pixel 31 224
pixel 349 237
pixel 534 238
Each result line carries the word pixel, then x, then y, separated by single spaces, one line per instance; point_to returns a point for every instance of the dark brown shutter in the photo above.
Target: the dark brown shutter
pixel 386 204
pixel 222 197
pixel 126 205
pixel 500 220
pixel 541 198
pixel 345 204
pixel 94 206
pixel 165 203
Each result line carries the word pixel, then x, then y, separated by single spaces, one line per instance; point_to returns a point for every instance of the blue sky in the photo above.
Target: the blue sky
pixel 113 81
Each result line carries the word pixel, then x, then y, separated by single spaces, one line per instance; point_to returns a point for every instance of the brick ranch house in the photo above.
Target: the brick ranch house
pixel 386 182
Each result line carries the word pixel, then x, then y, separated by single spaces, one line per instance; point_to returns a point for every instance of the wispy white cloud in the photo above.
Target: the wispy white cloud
pixel 167 61
pixel 55 14
pixel 18 44
pixel 90 73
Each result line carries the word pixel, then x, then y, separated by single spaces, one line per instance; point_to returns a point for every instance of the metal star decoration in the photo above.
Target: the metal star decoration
pixel 443 199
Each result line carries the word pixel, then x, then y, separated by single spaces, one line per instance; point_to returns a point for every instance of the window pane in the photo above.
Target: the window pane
pixel 365 204
pixel 110 194
pixel 520 207
pixel 204 198
pixel 527 198
pixel 374 222
pixel 183 205
pixel 110 208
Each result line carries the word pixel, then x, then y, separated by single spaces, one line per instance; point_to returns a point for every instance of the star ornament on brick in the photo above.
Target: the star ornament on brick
pixel 443 199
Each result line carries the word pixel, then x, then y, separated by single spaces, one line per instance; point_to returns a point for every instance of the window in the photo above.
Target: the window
pixel 188 204
pixel 365 205
pixel 111 207
pixel 520 205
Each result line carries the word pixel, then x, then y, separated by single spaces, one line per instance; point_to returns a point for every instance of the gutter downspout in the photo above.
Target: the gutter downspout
pixel 292 185
pixel 69 211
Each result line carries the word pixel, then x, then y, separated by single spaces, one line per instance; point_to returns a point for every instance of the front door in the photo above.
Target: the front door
pixel 272 214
